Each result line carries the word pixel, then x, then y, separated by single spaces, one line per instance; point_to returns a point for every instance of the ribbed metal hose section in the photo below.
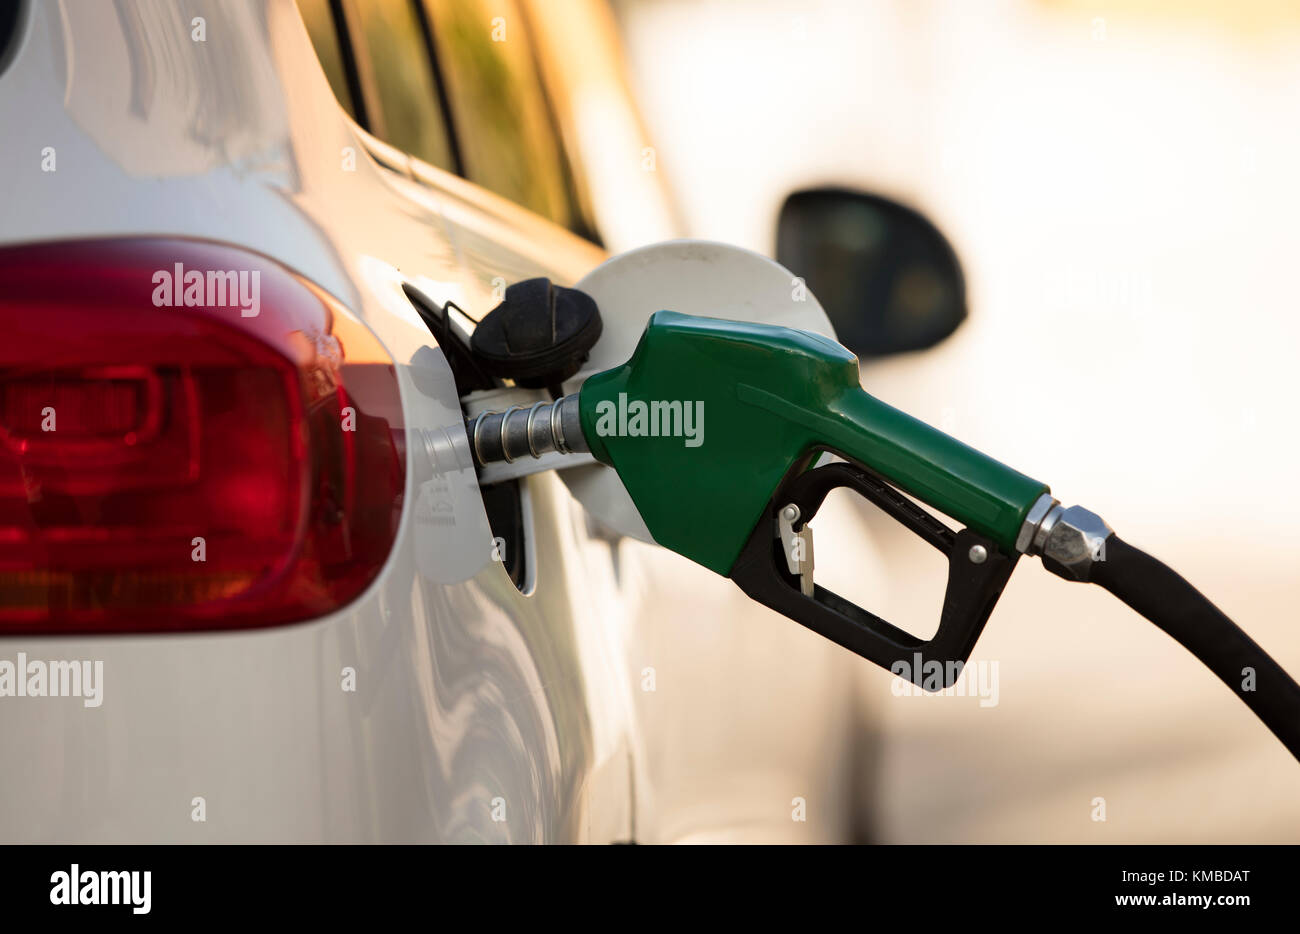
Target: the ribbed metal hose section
pixel 526 431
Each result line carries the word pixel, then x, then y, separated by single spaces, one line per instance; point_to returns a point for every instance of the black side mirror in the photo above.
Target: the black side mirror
pixel 887 277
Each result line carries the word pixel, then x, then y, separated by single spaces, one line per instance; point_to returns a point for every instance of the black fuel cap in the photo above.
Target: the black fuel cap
pixel 539 336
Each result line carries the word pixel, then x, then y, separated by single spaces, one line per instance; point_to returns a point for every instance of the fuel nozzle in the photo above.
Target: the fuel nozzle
pixel 719 432
pixel 529 431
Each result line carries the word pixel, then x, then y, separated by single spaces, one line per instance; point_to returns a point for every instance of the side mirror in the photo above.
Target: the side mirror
pixel 888 279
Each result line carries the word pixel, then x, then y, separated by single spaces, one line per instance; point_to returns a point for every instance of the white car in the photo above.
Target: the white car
pixel 250 587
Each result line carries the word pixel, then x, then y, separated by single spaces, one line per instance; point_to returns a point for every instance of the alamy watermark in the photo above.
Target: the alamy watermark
pixel 80 886
pixel 38 678
pixel 216 288
pixel 976 679
pixel 659 418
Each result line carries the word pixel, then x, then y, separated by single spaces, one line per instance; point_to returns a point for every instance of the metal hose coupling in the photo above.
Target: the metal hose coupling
pixel 1069 540
pixel 527 431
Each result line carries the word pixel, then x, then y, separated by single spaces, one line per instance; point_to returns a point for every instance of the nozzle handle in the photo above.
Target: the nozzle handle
pixel 977 573
pixel 959 481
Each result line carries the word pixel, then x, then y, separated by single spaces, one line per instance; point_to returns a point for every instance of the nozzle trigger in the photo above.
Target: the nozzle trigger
pixel 798 547
pixel 777 571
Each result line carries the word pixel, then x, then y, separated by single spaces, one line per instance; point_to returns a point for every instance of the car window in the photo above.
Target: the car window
pixel 504 129
pixel 397 79
pixel 325 38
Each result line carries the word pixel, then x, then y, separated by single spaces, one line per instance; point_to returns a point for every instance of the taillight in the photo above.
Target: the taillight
pixel 191 437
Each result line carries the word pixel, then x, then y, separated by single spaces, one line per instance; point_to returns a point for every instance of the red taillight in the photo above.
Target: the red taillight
pixel 222 453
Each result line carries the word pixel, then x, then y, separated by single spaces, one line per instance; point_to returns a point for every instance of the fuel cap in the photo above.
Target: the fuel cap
pixel 539 336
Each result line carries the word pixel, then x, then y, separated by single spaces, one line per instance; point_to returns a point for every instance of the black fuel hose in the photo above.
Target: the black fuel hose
pixel 1161 595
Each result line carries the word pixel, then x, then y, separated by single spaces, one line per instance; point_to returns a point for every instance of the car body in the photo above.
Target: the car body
pixel 614 692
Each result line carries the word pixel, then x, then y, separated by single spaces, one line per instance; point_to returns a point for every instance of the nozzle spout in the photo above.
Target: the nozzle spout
pixel 527 432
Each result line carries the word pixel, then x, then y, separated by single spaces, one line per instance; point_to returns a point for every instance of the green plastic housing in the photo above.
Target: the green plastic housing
pixel 759 400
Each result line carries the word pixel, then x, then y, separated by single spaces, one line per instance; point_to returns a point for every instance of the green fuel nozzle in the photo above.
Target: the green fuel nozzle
pixel 719 432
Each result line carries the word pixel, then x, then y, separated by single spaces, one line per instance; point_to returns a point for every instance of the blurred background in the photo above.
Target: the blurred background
pixel 1118 184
